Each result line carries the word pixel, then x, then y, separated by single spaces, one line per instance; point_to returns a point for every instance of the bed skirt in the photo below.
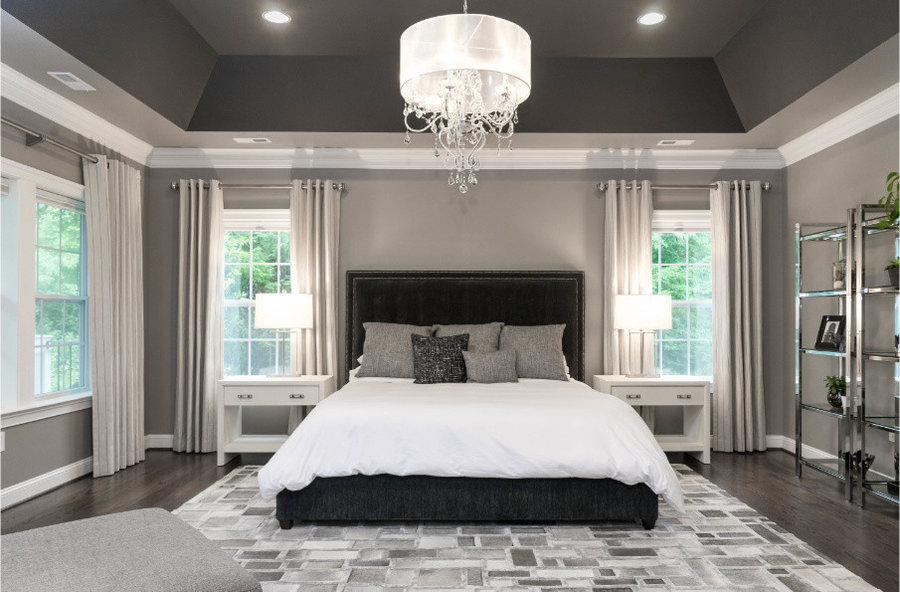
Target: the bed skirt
pixel 417 498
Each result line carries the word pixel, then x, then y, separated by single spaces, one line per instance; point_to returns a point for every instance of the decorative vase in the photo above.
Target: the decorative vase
pixel 893 275
pixel 834 399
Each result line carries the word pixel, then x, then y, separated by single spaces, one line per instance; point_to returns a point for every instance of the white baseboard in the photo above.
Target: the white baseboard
pixel 790 445
pixel 158 441
pixel 18 493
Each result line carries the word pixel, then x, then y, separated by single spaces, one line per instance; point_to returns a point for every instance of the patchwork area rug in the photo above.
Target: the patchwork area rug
pixel 719 543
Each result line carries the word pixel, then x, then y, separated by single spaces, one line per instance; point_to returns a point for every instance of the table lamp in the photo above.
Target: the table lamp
pixel 284 313
pixel 642 314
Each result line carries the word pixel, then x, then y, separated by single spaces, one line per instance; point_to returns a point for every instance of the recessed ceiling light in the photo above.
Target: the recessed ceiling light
pixel 253 140
pixel 651 18
pixel 675 142
pixel 276 16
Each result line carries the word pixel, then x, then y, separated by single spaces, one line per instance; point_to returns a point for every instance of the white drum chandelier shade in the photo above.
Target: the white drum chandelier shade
pixel 462 77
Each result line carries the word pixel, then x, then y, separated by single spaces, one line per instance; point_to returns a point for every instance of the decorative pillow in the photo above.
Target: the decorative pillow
pixel 439 359
pixel 490 367
pixel 538 348
pixel 482 338
pixel 387 351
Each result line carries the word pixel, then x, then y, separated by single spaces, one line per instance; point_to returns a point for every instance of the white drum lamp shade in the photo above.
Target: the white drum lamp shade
pixel 284 311
pixel 643 312
pixel 499 50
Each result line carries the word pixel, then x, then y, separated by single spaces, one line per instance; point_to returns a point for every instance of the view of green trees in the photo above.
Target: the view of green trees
pixel 60 307
pixel 682 268
pixel 256 262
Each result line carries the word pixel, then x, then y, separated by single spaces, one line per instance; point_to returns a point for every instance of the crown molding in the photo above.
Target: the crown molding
pixel 35 97
pixel 870 112
pixel 424 159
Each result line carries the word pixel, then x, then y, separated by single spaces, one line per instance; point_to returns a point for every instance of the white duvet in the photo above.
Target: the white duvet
pixel 529 429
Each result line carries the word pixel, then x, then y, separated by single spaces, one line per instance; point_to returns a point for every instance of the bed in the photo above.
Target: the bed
pixel 387 450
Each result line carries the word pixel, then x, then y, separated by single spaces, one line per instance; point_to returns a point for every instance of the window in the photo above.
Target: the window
pixel 257 261
pixel 682 268
pixel 60 308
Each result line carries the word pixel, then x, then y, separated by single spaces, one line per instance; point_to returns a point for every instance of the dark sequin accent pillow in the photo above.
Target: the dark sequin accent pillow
pixel 439 359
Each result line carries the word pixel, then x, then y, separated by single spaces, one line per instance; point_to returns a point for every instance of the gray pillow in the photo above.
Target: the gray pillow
pixel 538 348
pixel 482 338
pixel 439 359
pixel 489 367
pixel 387 350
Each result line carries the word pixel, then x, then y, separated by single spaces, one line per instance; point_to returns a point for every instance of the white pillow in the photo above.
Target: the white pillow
pixel 355 371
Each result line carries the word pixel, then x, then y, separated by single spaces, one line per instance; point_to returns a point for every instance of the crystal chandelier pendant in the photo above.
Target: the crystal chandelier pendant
pixel 463 77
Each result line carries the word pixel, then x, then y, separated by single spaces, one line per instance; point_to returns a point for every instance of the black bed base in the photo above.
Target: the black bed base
pixel 417 498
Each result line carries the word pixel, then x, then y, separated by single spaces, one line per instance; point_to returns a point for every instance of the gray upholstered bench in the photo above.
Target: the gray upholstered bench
pixel 139 551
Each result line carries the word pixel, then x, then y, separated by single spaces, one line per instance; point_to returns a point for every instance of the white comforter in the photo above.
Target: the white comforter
pixel 529 429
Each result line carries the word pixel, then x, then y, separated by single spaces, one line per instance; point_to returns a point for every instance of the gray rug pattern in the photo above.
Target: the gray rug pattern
pixel 719 544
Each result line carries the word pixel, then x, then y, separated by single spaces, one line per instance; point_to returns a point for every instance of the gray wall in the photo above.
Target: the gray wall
pixel 821 188
pixel 412 220
pixel 38 447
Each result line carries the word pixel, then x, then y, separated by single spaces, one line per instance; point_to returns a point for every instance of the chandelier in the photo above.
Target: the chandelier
pixel 463 77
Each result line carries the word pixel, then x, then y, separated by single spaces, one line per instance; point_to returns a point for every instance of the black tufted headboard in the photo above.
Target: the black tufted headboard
pixel 459 297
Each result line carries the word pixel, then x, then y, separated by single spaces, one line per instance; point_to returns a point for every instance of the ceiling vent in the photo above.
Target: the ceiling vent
pixel 253 140
pixel 72 81
pixel 675 142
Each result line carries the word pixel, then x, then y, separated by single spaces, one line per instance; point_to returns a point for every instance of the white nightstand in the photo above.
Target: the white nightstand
pixel 687 392
pixel 244 391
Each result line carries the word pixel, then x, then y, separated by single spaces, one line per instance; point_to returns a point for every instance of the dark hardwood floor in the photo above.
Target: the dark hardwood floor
pixel 864 541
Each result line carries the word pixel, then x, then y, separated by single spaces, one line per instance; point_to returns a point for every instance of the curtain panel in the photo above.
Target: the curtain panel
pixel 739 413
pixel 315 242
pixel 200 356
pixel 116 313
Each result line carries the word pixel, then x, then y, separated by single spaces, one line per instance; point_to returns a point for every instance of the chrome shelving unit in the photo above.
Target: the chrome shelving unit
pixel 841 235
pixel 872 299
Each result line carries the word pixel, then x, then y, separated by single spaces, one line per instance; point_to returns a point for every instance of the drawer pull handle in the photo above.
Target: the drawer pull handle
pixel 245 396
pixel 297 396
pixel 632 396
pixel 683 396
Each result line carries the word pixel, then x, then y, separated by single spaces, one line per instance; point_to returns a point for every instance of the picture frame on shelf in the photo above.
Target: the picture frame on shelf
pixel 831 332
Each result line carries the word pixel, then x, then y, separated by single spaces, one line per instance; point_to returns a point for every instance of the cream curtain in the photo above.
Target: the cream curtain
pixel 315 241
pixel 627 270
pixel 739 413
pixel 116 313
pixel 200 315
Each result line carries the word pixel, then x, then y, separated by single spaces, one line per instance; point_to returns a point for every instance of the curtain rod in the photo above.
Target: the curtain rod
pixel 33 138
pixel 603 184
pixel 338 186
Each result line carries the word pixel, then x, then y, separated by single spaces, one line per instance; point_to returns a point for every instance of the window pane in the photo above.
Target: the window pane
pixel 701 282
pixel 284 284
pixel 52 322
pixel 237 322
pixel 237 282
pixel 236 358
pixel 264 280
pixel 265 247
pixel 679 328
pixel 262 357
pixel 70 230
pixel 75 366
pixel 673 247
pixel 285 246
pixel 73 321
pixel 674 358
pixel 655 279
pixel 48 271
pixel 701 358
pixel 237 247
pixel 672 281
pixel 700 250
pixel 259 333
pixel 701 322
pixel 655 248
pixel 70 278
pixel 48 225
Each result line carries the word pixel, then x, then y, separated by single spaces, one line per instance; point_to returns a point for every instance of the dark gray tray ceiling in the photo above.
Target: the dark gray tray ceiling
pixel 211 65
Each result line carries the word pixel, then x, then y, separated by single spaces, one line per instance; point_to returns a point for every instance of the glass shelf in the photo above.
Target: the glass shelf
pixel 882 290
pixel 821 352
pixel 839 231
pixel 881 489
pixel 832 411
pixel 817 465
pixel 882 356
pixel 887 423
pixel 822 293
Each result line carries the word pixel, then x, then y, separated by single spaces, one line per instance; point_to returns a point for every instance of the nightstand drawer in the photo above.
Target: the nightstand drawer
pixel 659 395
pixel 270 395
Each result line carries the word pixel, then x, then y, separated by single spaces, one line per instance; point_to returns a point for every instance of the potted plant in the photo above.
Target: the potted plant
pixel 890 202
pixel 893 268
pixel 837 388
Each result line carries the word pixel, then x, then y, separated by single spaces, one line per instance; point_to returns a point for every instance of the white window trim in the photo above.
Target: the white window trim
pixel 25 184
